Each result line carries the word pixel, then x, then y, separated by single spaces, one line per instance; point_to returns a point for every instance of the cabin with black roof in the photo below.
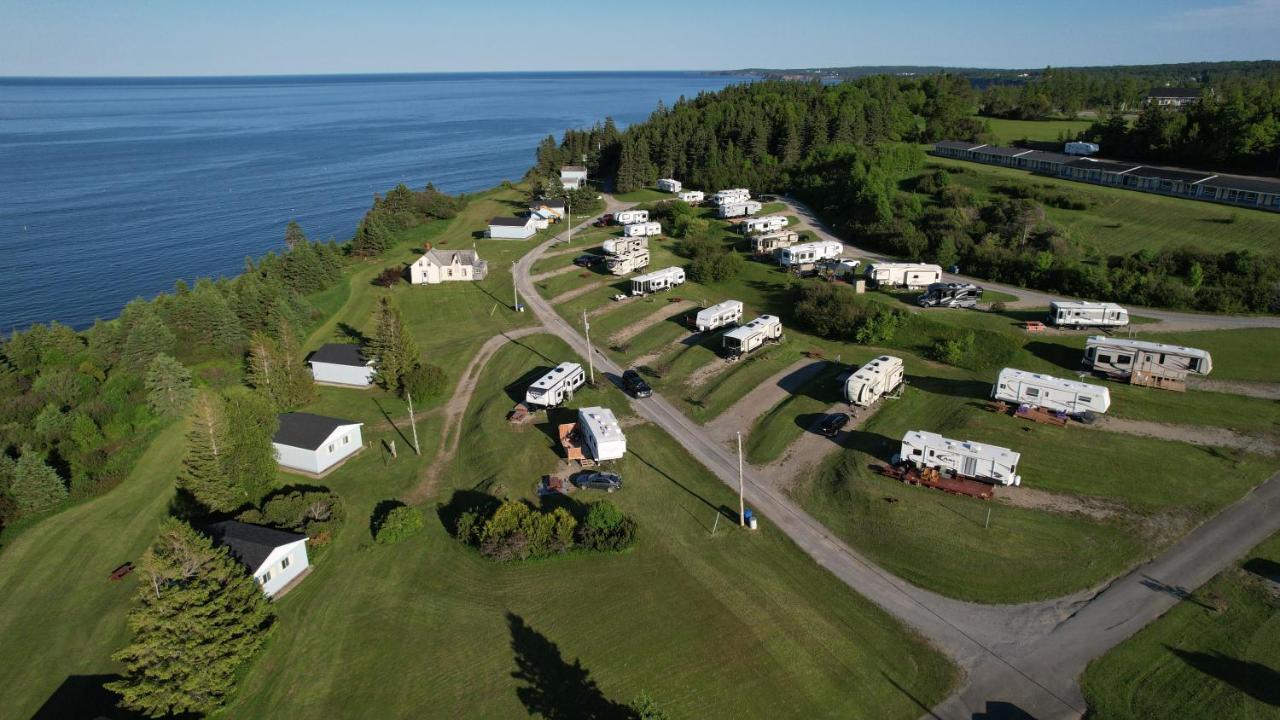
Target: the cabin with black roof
pixel 341 364
pixel 277 559
pixel 1174 97
pixel 314 444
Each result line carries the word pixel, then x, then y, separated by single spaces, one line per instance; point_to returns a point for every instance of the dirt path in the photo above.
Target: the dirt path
pixel 1034 499
pixel 1264 390
pixel 1193 434
pixel 567 249
pixel 456 408
pixel 762 398
pixel 808 452
pixel 391 424
pixel 553 273
pixel 565 297
pixel 668 310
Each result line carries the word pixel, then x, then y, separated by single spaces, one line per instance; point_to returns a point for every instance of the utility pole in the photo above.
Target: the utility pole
pixel 413 423
pixel 742 506
pixel 591 365
pixel 515 294
pixel 568 219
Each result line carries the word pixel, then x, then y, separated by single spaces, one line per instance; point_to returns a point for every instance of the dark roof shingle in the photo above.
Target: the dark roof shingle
pixel 304 430
pixel 339 354
pixel 250 544
pixel 510 221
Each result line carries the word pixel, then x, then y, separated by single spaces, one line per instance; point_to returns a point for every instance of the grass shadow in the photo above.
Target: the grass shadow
pixel 1253 679
pixel 1067 358
pixel 464 501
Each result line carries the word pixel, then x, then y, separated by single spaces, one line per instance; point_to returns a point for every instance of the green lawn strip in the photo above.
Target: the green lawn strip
pixel 425 624
pixel 1212 655
pixel 1237 354
pixel 774 431
pixel 1043 131
pixel 643 195
pixel 995 296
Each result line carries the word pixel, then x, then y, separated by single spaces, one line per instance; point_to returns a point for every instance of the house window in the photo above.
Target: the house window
pixel 284 563
pixel 346 439
pixel 330 448
pixel 266 577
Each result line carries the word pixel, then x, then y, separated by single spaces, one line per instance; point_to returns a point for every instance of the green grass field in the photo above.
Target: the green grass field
pixel 644 195
pixel 1047 132
pixel 782 425
pixel 1216 654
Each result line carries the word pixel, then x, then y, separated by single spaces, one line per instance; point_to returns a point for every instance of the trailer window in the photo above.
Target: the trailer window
pixel 1123 359
pixel 1033 392
pixel 915 452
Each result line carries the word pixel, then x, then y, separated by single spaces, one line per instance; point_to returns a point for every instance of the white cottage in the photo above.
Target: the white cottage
pixel 438 266
pixel 315 443
pixel 573 177
pixel 277 559
pixel 513 228
pixel 550 209
pixel 341 364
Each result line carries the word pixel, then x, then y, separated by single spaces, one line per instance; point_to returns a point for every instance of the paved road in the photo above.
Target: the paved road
pixel 1169 320
pixel 1029 655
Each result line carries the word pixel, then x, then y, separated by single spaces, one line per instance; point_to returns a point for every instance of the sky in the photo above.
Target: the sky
pixel 253 37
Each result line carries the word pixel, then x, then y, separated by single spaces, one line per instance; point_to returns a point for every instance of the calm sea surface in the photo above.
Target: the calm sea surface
pixel 113 189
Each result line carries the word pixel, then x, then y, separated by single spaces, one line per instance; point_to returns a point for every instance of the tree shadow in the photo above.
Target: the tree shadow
pixel 880 447
pixel 344 331
pixel 733 515
pixel 1256 680
pixel 387 416
pixel 516 389
pixel 951 387
pixel 480 285
pixel 464 501
pixel 554 688
pixel 1176 591
pixel 1067 358
pixel 1000 710
pixel 85 696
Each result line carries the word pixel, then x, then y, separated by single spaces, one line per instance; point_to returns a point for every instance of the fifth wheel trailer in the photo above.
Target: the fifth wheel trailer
pixel 764 244
pixel 670 185
pixel 874 380
pixel 763 224
pixel 732 195
pixel 1140 362
pixel 642 229
pixel 663 279
pixel 693 197
pixel 950 295
pixel 810 252
pixel 717 316
pixel 963 457
pixel 746 338
pixel 627 217
pixel 1079 313
pixel 738 209
pixel 556 386
pixel 905 275
pixel 1050 393
pixel 627 264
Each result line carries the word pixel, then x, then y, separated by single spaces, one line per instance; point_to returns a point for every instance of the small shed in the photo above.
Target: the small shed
pixel 315 443
pixel 276 558
pixel 341 364
pixel 573 177
pixel 513 228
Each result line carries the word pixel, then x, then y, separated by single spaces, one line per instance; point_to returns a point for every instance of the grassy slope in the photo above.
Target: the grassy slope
pixel 712 626
pixel 1037 131
pixel 1215 655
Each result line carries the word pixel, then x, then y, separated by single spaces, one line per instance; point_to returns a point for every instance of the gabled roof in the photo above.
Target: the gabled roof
pixel 449 257
pixel 1241 182
pixel 250 544
pixel 511 221
pixel 553 203
pixel 1110 166
pixel 572 168
pixel 307 431
pixel 339 354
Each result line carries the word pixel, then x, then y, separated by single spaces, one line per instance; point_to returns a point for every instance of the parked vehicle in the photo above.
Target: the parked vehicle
pixel 636 385
pixel 833 424
pixel 1140 362
pixel 604 220
pixel 556 386
pixel 586 260
pixel 601 434
pixel 608 482
pixel 962 457
pixel 950 295
pixel 732 195
pixel 904 275
pixel 626 264
pixel 1050 393
pixel 876 379
pixel 1080 313
pixel 719 315
pixel 748 338
pixel 663 279
pixel 772 242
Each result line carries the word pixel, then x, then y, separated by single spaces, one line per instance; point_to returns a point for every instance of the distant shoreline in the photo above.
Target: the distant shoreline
pixel 32 79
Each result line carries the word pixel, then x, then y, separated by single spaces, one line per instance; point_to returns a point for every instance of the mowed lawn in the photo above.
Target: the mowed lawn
pixel 1214 655
pixel 1045 132
pixel 717 625
pixel 1121 222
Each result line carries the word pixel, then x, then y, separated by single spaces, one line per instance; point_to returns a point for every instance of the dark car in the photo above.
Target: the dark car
pixel 585 260
pixel 635 384
pixel 834 424
pixel 598 481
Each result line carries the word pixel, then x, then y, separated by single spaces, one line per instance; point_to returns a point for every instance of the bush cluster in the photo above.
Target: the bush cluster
pixel 398 523
pixel 516 531
pixel 315 513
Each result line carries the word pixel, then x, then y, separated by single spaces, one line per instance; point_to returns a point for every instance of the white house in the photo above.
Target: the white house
pixel 550 209
pixel 669 185
pixel 341 364
pixel 437 266
pixel 602 433
pixel 275 557
pixel 513 228
pixel 315 443
pixel 573 177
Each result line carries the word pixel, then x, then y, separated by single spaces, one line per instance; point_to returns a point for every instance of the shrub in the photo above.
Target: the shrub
pixel 424 381
pixel 311 512
pixel 518 532
pixel 389 276
pixel 715 266
pixel 952 350
pixel 606 528
pixel 998 306
pixel 399 523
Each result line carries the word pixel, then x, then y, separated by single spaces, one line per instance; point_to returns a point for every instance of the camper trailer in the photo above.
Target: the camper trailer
pixel 629 263
pixel 556 386
pixel 966 458
pixel 749 337
pixel 601 434
pixel 1080 148
pixel 693 197
pixel 733 195
pixel 811 252
pixel 1140 362
pixel 663 279
pixel 904 275
pixel 642 229
pixel 625 246
pixel 1079 313
pixel 669 185
pixel 627 217
pixel 874 380
pixel 951 295
pixel 1050 393
pixel 770 242
pixel 719 315
pixel 738 209
pixel 764 224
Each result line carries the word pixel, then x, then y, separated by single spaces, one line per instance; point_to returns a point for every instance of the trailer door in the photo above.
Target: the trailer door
pixel 970 467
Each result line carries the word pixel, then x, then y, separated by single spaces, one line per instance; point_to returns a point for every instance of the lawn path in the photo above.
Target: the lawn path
pixel 742 414
pixel 1194 434
pixel 669 310
pixel 565 297
pixel 553 273
pixel 1264 390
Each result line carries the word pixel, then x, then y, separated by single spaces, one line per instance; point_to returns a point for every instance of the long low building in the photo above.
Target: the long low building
pixel 1240 190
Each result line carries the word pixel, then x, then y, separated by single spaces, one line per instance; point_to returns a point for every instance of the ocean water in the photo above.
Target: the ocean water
pixel 113 189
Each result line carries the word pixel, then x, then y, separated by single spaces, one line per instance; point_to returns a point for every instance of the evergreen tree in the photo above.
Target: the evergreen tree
pixel 296 386
pixel 168 385
pixel 293 235
pixel 147 338
pixel 262 372
pixel 251 456
pixel 35 486
pixel 392 349
pixel 204 471
pixel 199 618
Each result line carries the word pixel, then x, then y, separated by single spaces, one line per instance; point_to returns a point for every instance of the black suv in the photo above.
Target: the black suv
pixel 585 260
pixel 635 384
pixel 598 481
pixel 834 424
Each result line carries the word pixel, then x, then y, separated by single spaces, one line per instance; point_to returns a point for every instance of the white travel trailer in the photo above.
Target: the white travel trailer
pixel 732 195
pixel 874 380
pixel 810 252
pixel 963 457
pixel 951 295
pixel 1080 148
pixel 738 209
pixel 1050 393
pixel 556 386
pixel 1079 313
pixel 642 229
pixel 625 245
pixel 627 217
pixel 693 197
pixel 763 224
pixel 719 315
pixel 749 337
pixel 663 279
pixel 602 434
pixel 629 263
pixel 1140 362
pixel 764 244
pixel 904 275
pixel 669 185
